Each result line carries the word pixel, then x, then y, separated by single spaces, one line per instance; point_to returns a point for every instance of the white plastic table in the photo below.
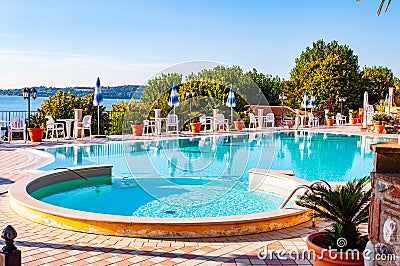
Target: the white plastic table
pixel 157 122
pixel 68 126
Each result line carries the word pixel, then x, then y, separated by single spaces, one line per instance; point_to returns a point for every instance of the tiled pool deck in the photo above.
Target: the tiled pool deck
pixel 45 245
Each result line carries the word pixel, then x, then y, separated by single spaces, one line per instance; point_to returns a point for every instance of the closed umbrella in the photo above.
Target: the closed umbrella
pixel 231 101
pixel 365 104
pixel 98 101
pixel 312 102
pixel 304 103
pixel 173 98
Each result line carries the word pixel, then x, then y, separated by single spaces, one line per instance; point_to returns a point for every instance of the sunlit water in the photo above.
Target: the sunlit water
pixel 203 177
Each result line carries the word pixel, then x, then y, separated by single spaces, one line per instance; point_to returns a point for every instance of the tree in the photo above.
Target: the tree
pixel 156 93
pixel 270 86
pixel 330 70
pixel 376 81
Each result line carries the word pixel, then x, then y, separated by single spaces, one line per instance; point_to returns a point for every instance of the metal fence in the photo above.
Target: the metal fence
pixel 110 122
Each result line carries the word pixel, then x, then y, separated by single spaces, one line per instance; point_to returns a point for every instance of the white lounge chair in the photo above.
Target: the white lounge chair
pixel 17 124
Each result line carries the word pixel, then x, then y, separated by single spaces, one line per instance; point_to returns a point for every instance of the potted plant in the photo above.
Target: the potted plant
pixel 238 124
pixel 354 117
pixel 36 127
pixel 330 120
pixel 347 206
pixel 135 115
pixel 379 120
pixel 195 124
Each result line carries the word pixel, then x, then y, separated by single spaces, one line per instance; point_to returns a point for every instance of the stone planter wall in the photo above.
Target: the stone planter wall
pixel 384 219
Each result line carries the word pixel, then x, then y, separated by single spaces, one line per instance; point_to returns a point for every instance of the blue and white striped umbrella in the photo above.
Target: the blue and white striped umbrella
pixel 98 101
pixel 312 102
pixel 304 103
pixel 98 97
pixel 173 98
pixel 231 101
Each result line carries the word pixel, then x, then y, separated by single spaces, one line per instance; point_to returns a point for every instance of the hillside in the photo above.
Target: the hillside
pixel 117 92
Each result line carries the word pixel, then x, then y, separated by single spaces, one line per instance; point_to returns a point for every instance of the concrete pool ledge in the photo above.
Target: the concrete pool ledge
pixel 27 206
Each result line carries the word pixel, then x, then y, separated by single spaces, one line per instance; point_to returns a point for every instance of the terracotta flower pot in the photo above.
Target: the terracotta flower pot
pixel 36 134
pixel 137 130
pixel 195 127
pixel 324 257
pixel 379 128
pixel 330 122
pixel 353 120
pixel 238 125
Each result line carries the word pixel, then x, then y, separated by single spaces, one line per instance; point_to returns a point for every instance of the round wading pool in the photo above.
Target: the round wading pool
pixel 99 204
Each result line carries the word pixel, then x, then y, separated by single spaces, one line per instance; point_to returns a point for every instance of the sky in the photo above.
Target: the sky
pixel 71 43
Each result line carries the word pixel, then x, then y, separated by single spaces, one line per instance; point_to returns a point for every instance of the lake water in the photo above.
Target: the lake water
pixel 17 103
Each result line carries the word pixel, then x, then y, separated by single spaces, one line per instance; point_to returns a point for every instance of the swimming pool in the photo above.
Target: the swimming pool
pixel 311 156
pixel 187 187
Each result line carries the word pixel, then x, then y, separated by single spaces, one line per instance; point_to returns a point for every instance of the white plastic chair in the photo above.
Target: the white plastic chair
pixel 206 122
pixel 269 119
pixel 340 119
pixel 253 121
pixel 86 125
pixel 149 127
pixel 54 127
pixel 172 121
pixel 17 124
pixel 313 120
pixel 222 123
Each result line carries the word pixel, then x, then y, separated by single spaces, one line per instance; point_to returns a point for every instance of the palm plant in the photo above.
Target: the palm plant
pixel 381 5
pixel 347 206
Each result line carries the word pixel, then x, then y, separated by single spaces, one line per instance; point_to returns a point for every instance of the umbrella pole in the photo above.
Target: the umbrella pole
pixel 231 116
pixel 98 120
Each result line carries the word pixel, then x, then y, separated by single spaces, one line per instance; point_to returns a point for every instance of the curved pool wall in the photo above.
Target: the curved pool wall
pixel 25 205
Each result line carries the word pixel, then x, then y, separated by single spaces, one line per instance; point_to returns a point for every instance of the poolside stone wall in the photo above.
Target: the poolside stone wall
pixel 384 219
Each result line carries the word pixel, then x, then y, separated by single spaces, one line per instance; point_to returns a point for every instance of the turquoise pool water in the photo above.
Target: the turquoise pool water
pixel 203 177
pixel 310 155
pixel 178 198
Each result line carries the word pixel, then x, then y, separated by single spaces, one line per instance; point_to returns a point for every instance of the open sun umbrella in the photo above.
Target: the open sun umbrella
pixel 312 102
pixel 231 101
pixel 304 103
pixel 98 101
pixel 173 98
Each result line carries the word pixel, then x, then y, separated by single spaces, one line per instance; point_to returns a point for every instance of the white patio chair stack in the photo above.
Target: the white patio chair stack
pixel 17 124
pixel 172 122
pixel 54 127
pixel 86 125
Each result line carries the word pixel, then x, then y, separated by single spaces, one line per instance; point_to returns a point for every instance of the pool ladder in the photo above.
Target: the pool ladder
pixel 309 189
